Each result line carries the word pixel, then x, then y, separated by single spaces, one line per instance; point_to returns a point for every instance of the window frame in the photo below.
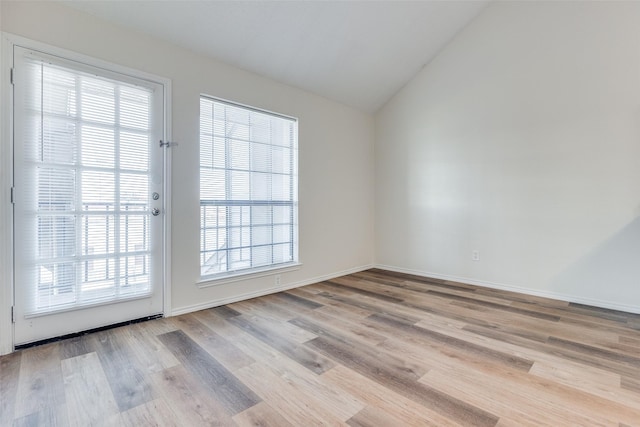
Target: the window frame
pixel 224 277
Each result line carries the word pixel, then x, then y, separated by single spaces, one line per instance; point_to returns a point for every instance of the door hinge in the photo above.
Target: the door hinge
pixel 13 317
pixel 13 197
pixel 11 72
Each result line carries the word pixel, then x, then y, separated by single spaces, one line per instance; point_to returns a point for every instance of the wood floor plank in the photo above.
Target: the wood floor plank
pixel 127 379
pixel 541 332
pixel 48 416
pixel 448 321
pixel 340 312
pixel 601 353
pixel 422 287
pixel 420 279
pixel 603 313
pixel 304 356
pixel 231 392
pixel 570 406
pixel 40 386
pixel 630 384
pixel 453 303
pixel 261 306
pixel 190 400
pixel 558 351
pixel 453 300
pixel 387 280
pixel 76 346
pixel 571 318
pixel 373 306
pixel 330 304
pixel 9 377
pixel 373 348
pixel 393 373
pixel 157 326
pixel 372 292
pixel 88 395
pixel 306 382
pixel 265 319
pixel 422 290
pixel 533 350
pixel 297 407
pixel 377 395
pixel 302 302
pixel 245 342
pixel 630 341
pixel 531 302
pixel 289 304
pixel 497 397
pixel 351 330
pixel 220 348
pixel 147 349
pixel 225 311
pixel 261 415
pixel 502 307
pixel 467 385
pixel 486 353
pixel 398 365
pixel 447 291
pixel 373 417
pixel 154 413
pixel 437 357
pixel 418 306
pixel 594 381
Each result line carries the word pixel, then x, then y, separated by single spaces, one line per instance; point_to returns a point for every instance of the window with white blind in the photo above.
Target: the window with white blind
pixel 83 184
pixel 248 189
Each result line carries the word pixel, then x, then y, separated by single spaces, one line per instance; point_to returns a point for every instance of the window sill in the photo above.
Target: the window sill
pixel 247 275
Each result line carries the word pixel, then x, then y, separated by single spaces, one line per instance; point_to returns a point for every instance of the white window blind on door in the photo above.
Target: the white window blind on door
pixel 83 162
pixel 248 189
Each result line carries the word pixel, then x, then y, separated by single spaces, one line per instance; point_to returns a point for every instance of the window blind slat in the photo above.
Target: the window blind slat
pixel 248 188
pixel 85 166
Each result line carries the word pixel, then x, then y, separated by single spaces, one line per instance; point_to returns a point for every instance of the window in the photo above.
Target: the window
pixel 248 189
pixel 83 175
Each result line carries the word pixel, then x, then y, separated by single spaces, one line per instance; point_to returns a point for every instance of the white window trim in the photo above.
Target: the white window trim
pixel 6 171
pixel 245 275
pixel 6 208
pixel 219 279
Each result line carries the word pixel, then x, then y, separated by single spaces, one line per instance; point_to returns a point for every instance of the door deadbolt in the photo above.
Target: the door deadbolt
pixel 155 196
pixel 155 211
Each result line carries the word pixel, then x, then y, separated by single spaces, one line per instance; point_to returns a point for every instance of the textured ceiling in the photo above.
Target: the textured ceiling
pixel 358 53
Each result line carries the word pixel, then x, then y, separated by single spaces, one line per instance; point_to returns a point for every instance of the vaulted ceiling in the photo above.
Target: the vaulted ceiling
pixel 358 53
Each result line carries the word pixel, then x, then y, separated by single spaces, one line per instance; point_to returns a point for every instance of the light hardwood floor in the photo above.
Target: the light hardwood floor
pixel 369 349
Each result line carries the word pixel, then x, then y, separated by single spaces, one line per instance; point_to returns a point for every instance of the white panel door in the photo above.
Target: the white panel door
pixel 88 196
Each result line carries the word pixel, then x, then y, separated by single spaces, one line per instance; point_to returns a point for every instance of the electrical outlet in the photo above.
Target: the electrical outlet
pixel 475 255
pixel 277 279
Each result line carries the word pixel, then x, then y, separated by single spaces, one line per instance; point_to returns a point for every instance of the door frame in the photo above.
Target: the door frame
pixel 7 341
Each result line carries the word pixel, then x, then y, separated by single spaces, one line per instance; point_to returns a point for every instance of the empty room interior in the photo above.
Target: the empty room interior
pixel 305 213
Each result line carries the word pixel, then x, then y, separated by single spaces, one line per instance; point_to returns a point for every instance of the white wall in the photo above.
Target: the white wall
pixel 335 148
pixel 521 140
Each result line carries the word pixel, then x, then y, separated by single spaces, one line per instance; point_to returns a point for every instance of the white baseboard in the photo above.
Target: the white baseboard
pixel 527 291
pixel 267 291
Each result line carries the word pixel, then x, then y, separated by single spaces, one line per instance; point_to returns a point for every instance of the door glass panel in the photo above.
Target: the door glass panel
pixel 84 167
